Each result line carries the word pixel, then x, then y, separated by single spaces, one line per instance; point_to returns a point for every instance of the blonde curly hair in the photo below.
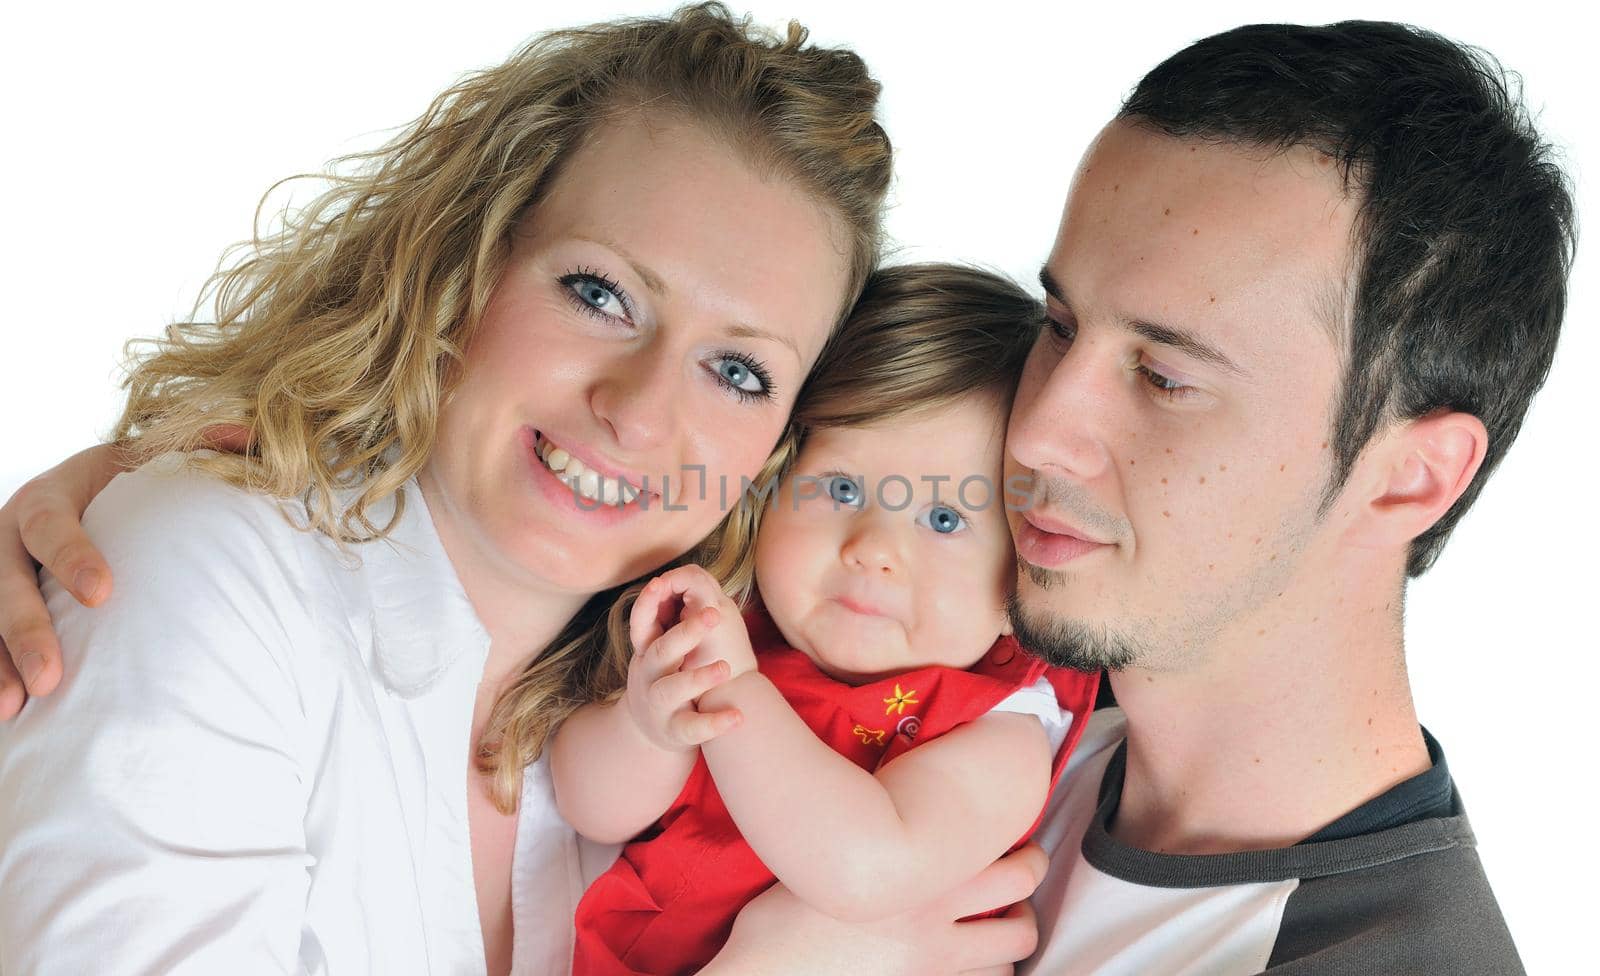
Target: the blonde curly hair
pixel 337 337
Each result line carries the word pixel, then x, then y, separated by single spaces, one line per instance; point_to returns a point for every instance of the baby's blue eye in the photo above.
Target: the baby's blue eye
pixel 942 519
pixel 844 491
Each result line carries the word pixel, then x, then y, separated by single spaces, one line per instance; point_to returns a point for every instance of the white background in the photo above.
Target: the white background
pixel 138 138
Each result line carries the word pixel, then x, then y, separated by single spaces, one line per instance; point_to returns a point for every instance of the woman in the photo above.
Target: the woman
pixel 630 242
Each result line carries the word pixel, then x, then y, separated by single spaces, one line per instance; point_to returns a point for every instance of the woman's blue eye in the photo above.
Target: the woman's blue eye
pixel 739 376
pixel 942 519
pixel 844 491
pixel 743 375
pixel 596 295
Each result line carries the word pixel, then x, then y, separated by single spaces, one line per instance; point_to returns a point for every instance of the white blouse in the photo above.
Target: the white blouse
pixel 257 759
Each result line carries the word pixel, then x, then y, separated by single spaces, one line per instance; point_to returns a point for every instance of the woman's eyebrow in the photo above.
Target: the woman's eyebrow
pixel 658 287
pixel 741 330
pixel 651 280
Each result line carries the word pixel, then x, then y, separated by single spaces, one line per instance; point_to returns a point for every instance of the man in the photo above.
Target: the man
pixel 1306 284
pixel 1305 287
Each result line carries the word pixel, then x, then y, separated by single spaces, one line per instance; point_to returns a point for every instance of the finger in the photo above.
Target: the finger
pixel 693 584
pixel 667 653
pixel 12 695
pixel 25 626
pixel 694 728
pixel 232 438
pixel 54 536
pixel 682 687
pixel 650 616
pixel 993 944
pixel 1005 882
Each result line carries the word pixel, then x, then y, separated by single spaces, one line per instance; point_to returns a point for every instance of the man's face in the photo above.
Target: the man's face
pixel 1175 414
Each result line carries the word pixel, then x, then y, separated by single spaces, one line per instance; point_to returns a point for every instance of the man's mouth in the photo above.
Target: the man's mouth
pixel 1051 543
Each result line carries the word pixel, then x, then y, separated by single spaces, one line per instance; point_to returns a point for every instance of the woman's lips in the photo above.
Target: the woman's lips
pixel 561 496
pixel 1051 550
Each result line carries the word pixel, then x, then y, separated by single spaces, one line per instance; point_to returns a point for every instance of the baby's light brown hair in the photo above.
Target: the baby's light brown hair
pixel 922 336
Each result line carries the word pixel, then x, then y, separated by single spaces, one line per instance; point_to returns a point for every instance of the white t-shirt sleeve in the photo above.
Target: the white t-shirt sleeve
pixel 1039 700
pixel 152 809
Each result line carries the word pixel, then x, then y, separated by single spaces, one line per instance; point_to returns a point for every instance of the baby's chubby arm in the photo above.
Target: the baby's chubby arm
pixel 617 766
pixel 860 846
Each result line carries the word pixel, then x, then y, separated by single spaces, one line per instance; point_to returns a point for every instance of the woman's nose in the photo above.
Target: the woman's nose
pixel 638 397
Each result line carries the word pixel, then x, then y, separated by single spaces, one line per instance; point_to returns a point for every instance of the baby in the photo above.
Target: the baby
pixel 869 735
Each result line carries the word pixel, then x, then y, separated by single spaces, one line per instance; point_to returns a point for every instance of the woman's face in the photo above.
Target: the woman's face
pixel 640 355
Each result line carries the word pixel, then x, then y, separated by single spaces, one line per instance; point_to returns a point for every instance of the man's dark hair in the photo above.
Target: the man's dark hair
pixel 1465 233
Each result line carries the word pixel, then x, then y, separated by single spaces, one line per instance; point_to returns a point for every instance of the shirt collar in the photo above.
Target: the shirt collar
pixel 422 621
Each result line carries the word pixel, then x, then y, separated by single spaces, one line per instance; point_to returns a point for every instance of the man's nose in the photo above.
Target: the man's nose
pixel 1063 410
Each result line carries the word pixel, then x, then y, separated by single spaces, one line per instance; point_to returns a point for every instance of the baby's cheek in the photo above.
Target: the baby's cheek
pixel 967 619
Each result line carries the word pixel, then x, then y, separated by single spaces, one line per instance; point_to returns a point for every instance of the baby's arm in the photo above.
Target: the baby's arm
pixel 617 766
pixel 858 846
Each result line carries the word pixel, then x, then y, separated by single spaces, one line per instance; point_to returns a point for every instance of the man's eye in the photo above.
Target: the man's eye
pixel 844 491
pixel 1063 332
pixel 1161 385
pixel 942 519
pixel 595 294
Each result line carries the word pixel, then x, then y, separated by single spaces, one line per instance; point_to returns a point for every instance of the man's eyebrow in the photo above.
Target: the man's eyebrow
pixel 1187 343
pixel 1051 287
pixel 1162 335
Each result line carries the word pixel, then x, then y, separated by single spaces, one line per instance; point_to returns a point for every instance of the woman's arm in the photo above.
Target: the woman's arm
pixel 852 843
pixel 152 809
pixel 778 934
pixel 41 521
pixel 617 766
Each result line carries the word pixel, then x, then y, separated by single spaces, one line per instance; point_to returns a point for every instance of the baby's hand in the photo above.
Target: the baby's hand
pixel 672 669
pixel 671 597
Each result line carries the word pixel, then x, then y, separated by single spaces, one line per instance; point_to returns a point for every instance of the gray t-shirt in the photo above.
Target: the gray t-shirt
pixel 1394 898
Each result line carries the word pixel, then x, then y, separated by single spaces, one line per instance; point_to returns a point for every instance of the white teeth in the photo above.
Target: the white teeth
pixel 589 484
pixel 586 482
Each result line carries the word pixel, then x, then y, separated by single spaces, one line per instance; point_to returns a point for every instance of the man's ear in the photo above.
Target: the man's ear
pixel 1414 474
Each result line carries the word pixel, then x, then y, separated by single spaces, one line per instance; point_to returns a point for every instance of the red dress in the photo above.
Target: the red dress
pixel 666 906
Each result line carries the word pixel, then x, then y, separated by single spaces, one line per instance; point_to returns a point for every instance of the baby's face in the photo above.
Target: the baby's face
pixel 888 548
